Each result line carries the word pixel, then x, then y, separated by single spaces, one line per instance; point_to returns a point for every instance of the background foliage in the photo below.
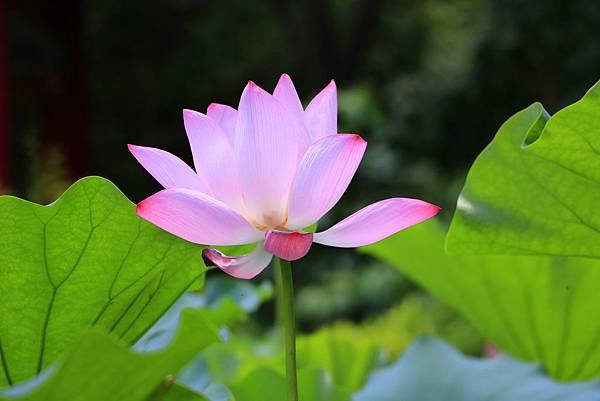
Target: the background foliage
pixel 427 83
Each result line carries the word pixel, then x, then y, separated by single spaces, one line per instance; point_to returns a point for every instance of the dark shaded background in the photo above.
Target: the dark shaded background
pixel 426 82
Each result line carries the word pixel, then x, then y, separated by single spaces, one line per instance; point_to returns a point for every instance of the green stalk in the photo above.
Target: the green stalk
pixel 287 322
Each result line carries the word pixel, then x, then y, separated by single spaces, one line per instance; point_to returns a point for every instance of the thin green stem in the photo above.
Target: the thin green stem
pixel 278 297
pixel 287 321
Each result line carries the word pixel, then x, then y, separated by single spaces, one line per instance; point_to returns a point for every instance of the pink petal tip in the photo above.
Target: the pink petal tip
pixel 376 222
pixel 358 138
pixel 213 107
pixel 188 112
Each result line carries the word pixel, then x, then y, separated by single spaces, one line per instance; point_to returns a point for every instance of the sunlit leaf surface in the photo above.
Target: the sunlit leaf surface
pixel 85 260
pixel 101 368
pixel 538 308
pixel 536 188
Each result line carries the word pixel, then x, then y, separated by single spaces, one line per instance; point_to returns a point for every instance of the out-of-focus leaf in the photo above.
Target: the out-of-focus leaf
pixel 348 362
pixel 100 368
pixel 536 188
pixel 195 377
pixel 84 260
pixel 318 385
pixel 228 299
pixel 224 303
pixel 258 383
pixel 417 315
pixel 228 362
pixel 225 313
pixel 159 335
pixel 538 308
pixel 245 293
pixel 179 393
pixel 265 383
pixel 430 370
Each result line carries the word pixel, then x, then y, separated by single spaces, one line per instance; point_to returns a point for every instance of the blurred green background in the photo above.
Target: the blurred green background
pixel 425 82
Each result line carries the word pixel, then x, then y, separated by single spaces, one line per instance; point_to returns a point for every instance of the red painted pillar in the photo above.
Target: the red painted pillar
pixel 4 138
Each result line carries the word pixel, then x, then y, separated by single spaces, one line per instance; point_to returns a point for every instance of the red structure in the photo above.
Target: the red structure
pixel 4 139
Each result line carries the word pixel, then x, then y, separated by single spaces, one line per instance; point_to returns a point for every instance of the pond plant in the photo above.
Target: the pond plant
pixel 100 298
pixel 263 173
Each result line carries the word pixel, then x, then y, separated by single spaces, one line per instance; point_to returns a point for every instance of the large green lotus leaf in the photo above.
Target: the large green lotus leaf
pixel 84 260
pixel 100 367
pixel 536 188
pixel 539 308
pixel 430 370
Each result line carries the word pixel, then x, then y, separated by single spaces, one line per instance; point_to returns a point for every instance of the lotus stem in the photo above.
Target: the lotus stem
pixel 287 321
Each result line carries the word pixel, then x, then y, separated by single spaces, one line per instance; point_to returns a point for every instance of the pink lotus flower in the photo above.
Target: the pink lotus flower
pixel 263 173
